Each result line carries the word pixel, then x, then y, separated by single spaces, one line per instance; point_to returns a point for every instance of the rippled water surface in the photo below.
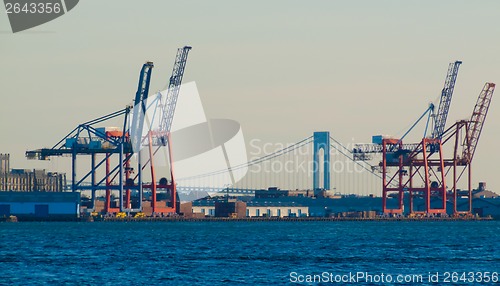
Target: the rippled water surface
pixel 233 253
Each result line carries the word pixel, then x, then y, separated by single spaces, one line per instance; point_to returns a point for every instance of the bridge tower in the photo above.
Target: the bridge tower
pixel 321 141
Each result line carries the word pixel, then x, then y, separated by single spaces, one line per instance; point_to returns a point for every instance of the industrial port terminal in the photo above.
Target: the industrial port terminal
pixel 127 172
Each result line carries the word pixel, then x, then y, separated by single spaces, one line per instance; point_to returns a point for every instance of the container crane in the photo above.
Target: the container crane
pixel 161 136
pixel 423 160
pixel 87 139
pixel 90 140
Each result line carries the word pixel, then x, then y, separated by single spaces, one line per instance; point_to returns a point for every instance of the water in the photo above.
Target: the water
pixel 240 253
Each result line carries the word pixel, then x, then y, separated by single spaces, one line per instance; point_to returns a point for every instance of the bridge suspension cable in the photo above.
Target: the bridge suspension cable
pixel 351 158
pixel 268 157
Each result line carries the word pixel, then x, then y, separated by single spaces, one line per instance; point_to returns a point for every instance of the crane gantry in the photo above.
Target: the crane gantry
pixel 465 134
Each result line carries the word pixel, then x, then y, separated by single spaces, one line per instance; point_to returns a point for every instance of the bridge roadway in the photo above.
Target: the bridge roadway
pixel 184 189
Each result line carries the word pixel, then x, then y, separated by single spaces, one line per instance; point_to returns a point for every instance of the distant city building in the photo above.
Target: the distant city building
pixel 250 208
pixel 274 202
pixel 230 208
pixel 482 192
pixel 274 192
pixel 24 180
pixel 276 209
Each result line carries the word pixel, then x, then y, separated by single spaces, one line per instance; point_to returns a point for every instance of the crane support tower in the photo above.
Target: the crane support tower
pixel 420 174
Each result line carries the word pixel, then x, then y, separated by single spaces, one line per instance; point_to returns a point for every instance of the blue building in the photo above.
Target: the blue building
pixel 40 205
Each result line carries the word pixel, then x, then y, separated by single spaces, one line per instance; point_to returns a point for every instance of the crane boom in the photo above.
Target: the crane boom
pixel 445 100
pixel 140 105
pixel 173 89
pixel 476 123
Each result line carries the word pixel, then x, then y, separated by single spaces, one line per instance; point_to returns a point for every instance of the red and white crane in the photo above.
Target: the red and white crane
pixel 161 136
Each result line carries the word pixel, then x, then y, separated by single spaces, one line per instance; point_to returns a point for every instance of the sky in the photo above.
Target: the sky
pixel 282 69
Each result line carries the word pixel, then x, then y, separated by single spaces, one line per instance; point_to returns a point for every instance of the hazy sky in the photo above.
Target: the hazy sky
pixel 283 69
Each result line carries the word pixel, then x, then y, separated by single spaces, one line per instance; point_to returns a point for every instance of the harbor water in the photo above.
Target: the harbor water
pixel 247 253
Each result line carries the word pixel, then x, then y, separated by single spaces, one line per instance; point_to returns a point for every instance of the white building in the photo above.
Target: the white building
pixel 257 208
pixel 277 211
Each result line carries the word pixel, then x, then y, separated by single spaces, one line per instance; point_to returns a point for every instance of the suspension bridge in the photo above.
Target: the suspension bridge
pixel 318 162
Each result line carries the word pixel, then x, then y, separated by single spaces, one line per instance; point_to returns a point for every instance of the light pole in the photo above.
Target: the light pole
pixel 226 186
